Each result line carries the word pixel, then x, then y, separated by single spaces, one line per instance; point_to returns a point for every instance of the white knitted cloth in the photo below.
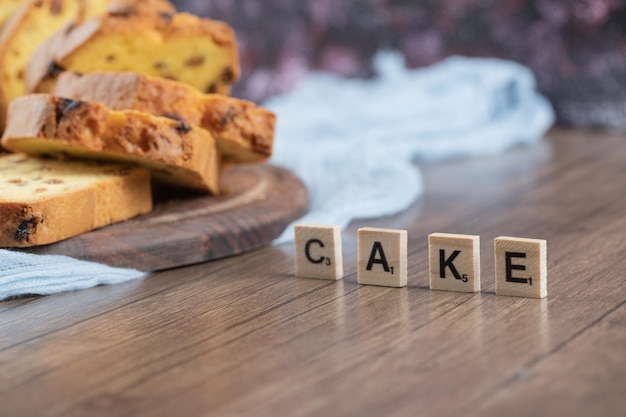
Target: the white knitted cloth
pixel 353 143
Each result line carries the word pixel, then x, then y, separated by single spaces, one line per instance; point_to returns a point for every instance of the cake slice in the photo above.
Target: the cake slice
pixel 174 151
pixel 244 132
pixel 44 200
pixel 183 47
pixel 7 9
pixel 28 26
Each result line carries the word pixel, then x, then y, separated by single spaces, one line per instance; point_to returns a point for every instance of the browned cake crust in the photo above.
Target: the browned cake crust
pixel 180 46
pixel 44 200
pixel 174 151
pixel 244 131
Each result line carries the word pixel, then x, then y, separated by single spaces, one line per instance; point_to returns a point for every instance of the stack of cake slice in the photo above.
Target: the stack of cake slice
pixel 138 85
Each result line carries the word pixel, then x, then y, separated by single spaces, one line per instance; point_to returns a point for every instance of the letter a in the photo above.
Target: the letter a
pixel 392 259
pixel 377 248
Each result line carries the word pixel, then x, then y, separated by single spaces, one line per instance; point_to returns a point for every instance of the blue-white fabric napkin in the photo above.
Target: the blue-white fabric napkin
pixel 354 144
pixel 25 274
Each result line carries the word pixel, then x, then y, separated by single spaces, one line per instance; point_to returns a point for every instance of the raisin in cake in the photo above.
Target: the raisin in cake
pixel 180 46
pixel 174 151
pixel 28 26
pixel 244 132
pixel 44 200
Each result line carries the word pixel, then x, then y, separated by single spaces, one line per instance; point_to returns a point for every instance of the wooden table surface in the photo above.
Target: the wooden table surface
pixel 243 336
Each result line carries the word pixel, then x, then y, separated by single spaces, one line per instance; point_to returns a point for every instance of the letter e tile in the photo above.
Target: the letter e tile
pixel 318 251
pixel 454 262
pixel 521 267
pixel 382 258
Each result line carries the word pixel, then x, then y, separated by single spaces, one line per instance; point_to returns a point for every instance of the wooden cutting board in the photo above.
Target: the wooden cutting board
pixel 259 202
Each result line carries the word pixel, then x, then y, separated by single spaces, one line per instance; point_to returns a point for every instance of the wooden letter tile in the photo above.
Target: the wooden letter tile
pixel 382 257
pixel 521 267
pixel 318 251
pixel 454 262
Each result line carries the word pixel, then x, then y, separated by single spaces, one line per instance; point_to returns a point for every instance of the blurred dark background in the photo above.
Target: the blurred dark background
pixel 577 48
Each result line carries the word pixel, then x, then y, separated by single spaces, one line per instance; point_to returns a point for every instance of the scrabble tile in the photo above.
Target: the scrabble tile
pixel 318 251
pixel 454 262
pixel 521 267
pixel 382 258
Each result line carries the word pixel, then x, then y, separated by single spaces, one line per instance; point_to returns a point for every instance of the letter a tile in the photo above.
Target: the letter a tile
pixel 318 251
pixel 454 262
pixel 382 257
pixel 521 267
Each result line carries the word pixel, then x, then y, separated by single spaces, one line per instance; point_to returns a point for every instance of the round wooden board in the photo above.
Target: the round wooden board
pixel 259 202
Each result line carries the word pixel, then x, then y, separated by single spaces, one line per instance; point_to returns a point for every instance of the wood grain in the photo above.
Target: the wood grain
pixel 243 336
pixel 259 201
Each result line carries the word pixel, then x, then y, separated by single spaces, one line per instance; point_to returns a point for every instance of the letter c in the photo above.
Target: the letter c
pixel 307 248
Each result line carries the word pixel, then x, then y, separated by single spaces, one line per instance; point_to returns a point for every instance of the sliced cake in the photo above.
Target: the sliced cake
pixel 7 9
pixel 175 152
pixel 183 47
pixel 45 200
pixel 28 26
pixel 244 131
